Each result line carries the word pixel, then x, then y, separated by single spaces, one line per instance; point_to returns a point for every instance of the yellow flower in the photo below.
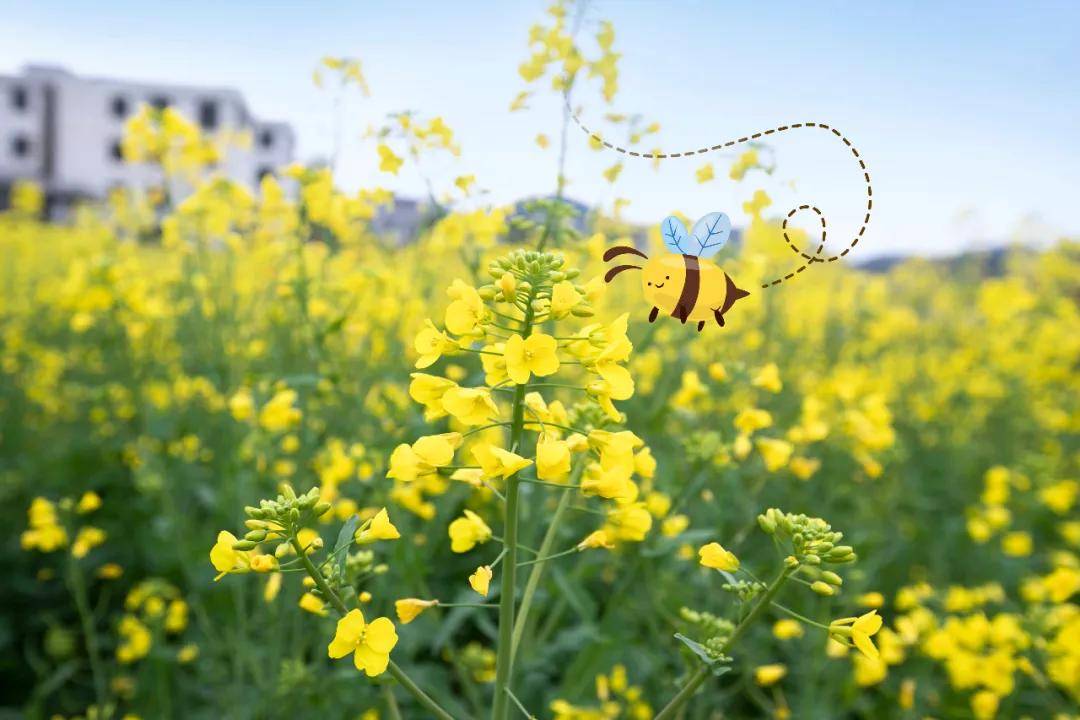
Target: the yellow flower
pixel 135 640
pixel 767 377
pixel 705 173
pixel 859 631
pixel 871 600
pixel 496 462
pixel 428 390
pixel 272 587
pixel 775 453
pixel 467 310
pixel 543 141
pixel 715 556
pixel 1060 496
pixel 470 406
pixel 1016 544
pixel 280 412
pixel 787 628
pixel 379 528
pixel 312 604
pixel 751 419
pixel 494 363
pixel 408 609
pixel 225 559
pixel 984 705
pixel 481 579
pixel 431 344
pixel 408 462
pixel 464 182
pixel 803 467
pixel 611 174
pixel 86 540
pixel 468 532
pixel 370 643
pixel 629 522
pixel 674 525
pixel 187 653
pixel 552 460
pixel 564 298
pixel 534 355
pixel 388 161
pixel 766 675
pixel 109 571
pixel 264 563
pixel 611 483
pixel 89 502
pixel 596 539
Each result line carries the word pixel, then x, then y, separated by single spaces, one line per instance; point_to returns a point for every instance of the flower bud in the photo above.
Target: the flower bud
pixel 243 545
pixel 832 578
pixel 582 310
pixel 256 536
pixel 791 562
pixel 766 523
pixel 321 509
pixel 811 560
pixel 822 588
pixel 508 286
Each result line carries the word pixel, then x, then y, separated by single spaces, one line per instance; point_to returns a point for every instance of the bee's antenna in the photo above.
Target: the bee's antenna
pixel 618 269
pixel 623 250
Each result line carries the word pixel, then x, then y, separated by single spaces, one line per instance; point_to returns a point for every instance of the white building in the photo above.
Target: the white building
pixel 63 132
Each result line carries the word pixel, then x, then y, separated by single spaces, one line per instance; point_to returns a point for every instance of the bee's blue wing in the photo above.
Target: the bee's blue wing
pixel 709 235
pixel 675 237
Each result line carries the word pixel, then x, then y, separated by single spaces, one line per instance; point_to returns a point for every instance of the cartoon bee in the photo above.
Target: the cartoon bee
pixel 685 284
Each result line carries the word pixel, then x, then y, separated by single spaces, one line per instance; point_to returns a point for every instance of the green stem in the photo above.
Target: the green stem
pixel 534 577
pixel 702 673
pixel 392 708
pixel 86 618
pixel 399 674
pixel 504 660
pixel 541 560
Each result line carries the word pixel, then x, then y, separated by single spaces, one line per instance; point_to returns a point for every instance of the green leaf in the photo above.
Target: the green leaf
pixel 344 540
pixel 719 666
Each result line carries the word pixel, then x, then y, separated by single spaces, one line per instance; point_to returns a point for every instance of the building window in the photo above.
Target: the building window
pixel 266 139
pixel 20 98
pixel 20 146
pixel 208 114
pixel 116 151
pixel 264 171
pixel 119 107
pixel 160 102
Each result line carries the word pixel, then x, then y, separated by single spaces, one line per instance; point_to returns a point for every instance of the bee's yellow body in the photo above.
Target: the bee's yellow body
pixel 685 287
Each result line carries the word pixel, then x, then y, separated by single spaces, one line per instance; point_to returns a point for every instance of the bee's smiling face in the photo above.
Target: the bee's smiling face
pixel 658 280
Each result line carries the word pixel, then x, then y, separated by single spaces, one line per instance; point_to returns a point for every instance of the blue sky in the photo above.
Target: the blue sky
pixel 966 114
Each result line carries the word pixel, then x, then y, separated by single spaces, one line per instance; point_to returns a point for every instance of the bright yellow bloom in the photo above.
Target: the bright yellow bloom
pixel 787 628
pixel 766 675
pixel 264 563
pixel 467 310
pixel 752 419
pixel 552 460
pixel 564 298
pixel 227 560
pixel 674 525
pixel 136 640
pixel 408 609
pixel 370 643
pixel 859 631
pixel 629 522
pixel 775 453
pixel 388 161
pixel 280 413
pixel 431 344
pixel 428 390
pixel 767 377
pixel 705 173
pixel 596 539
pixel 480 580
pixel 312 604
pixel 871 600
pixel 498 463
pixel 715 556
pixel 470 406
pixel 984 705
pixel 1017 544
pixel 542 141
pixel 379 528
pixel 89 502
pixel 534 355
pixel 109 571
pixel 409 462
pixel 468 532
pixel 611 483
pixel 86 540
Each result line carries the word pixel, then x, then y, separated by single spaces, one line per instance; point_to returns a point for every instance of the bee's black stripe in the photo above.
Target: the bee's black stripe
pixel 691 287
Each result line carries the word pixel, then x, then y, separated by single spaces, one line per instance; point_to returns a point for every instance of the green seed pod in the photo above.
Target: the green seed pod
pixel 832 578
pixel 256 536
pixel 243 545
pixel 841 551
pixel 582 310
pixel 811 560
pixel 822 588
pixel 572 273
pixel 487 292
pixel 321 509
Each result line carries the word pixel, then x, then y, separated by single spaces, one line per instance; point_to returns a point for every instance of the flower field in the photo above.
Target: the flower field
pixel 258 461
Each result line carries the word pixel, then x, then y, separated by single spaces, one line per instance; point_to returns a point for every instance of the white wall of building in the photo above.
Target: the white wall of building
pixel 64 131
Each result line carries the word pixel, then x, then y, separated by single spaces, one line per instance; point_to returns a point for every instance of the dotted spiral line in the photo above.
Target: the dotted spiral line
pixel 810 259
